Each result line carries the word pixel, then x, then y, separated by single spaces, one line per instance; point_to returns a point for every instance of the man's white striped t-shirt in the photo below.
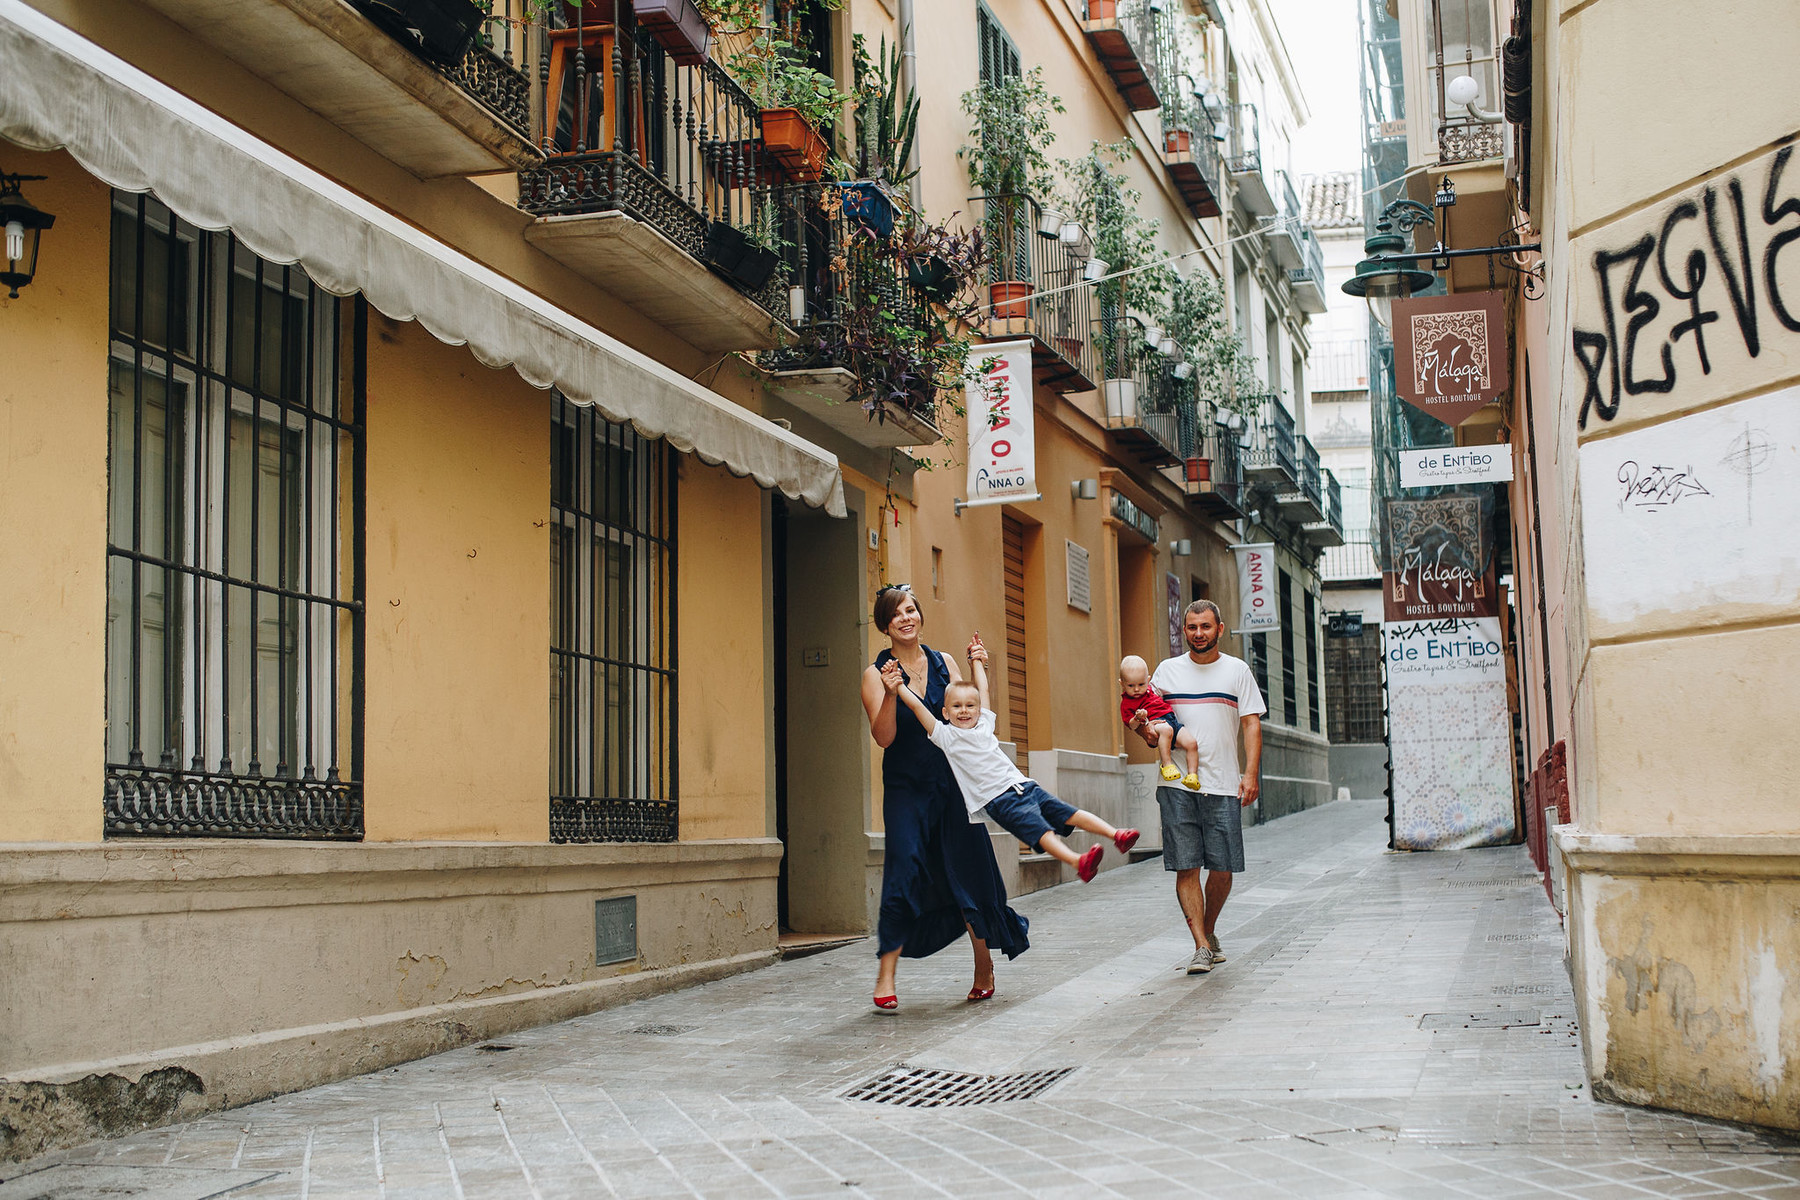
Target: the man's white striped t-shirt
pixel 1209 699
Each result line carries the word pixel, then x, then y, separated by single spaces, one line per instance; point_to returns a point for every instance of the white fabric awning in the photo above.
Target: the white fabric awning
pixel 58 90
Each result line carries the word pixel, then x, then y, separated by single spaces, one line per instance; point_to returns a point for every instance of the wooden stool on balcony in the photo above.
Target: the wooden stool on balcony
pixel 596 45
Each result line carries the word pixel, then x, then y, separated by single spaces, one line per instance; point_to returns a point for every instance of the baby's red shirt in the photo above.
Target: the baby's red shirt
pixel 1153 706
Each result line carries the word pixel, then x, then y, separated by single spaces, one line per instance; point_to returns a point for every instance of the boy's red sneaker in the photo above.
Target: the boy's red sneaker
pixel 1125 839
pixel 1089 865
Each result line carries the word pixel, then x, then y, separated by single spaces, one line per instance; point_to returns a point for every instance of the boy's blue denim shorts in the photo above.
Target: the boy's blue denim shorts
pixel 1028 812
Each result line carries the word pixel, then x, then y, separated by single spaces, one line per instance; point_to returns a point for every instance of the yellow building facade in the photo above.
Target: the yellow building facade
pixel 427 611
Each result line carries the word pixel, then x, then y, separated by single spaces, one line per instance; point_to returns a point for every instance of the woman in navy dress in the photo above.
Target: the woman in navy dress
pixel 939 878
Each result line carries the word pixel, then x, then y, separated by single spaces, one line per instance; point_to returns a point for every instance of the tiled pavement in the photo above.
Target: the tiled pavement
pixel 1339 1052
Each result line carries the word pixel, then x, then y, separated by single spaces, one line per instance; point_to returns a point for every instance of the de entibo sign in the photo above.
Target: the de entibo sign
pixel 1450 353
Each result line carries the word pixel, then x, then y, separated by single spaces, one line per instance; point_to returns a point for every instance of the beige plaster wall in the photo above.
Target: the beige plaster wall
pixel 458 677
pixel 53 404
pixel 721 615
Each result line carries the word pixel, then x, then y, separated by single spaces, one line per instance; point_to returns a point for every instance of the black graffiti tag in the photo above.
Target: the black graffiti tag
pixel 1719 252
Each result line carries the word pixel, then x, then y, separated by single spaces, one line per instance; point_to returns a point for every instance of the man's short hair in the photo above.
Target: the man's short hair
pixel 1200 606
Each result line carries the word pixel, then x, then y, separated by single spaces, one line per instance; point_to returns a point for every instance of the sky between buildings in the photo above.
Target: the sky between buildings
pixel 1322 41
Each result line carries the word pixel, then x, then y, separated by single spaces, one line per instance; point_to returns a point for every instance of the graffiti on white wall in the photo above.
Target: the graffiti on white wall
pixel 1715 278
pixel 1695 511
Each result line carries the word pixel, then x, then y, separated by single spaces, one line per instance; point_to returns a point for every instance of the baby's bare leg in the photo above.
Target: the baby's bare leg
pixel 1056 848
pixel 1165 737
pixel 1089 823
pixel 1190 747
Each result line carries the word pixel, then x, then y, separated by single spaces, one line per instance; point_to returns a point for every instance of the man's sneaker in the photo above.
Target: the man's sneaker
pixel 1202 962
pixel 1089 864
pixel 1191 783
pixel 1125 839
pixel 1218 955
pixel 1171 772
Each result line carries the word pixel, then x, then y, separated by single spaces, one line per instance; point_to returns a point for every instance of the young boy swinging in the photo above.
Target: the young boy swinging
pixel 990 782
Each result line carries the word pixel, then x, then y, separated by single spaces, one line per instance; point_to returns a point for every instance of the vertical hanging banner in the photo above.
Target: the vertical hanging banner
pixel 1172 599
pixel 1450 354
pixel 1449 733
pixel 1002 444
pixel 1257 610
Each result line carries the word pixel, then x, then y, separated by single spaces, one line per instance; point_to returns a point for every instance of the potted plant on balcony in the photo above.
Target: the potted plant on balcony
pixel 797 101
pixel 748 254
pixel 885 123
pixel 1124 240
pixel 679 26
pixel 1009 165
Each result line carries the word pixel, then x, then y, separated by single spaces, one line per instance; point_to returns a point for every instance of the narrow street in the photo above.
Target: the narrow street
pixel 1386 1025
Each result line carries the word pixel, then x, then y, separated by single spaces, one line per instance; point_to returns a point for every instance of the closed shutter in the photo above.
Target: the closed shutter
pixel 1012 536
pixel 999 55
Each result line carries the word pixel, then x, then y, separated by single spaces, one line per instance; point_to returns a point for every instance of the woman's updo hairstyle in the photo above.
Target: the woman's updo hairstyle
pixel 887 603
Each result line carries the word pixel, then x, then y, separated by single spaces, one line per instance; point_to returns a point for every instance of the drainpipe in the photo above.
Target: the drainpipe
pixel 909 75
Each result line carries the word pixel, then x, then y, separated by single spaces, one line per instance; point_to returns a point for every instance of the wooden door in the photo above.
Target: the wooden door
pixel 1012 536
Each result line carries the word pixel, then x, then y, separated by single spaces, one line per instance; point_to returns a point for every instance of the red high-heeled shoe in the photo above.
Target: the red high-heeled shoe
pixel 980 994
pixel 887 1003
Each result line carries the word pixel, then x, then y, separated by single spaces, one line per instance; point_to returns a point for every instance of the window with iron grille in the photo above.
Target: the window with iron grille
pixel 1290 696
pixel 1311 626
pixel 1353 687
pixel 233 647
pixel 612 632
pixel 999 53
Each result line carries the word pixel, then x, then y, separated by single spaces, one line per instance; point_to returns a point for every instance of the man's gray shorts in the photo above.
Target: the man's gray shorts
pixel 1199 830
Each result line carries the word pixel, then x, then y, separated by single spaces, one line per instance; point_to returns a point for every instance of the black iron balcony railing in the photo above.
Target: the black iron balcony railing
pixel 1309 480
pixel 1308 279
pixel 848 274
pixel 1143 400
pixel 1273 455
pixel 1333 507
pixel 489 76
pixel 1191 147
pixel 1131 39
pixel 629 130
pixel 1243 140
pixel 1034 289
pixel 1219 486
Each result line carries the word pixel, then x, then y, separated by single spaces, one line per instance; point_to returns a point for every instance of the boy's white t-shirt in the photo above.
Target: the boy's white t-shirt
pixel 981 767
pixel 1209 699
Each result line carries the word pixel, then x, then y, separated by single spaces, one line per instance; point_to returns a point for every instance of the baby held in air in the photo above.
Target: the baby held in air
pixel 990 783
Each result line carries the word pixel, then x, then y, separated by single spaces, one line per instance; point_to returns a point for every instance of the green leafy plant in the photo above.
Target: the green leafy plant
pixel 774 72
pixel 904 342
pixel 1010 136
pixel 886 118
pixel 1102 199
pixel 1199 319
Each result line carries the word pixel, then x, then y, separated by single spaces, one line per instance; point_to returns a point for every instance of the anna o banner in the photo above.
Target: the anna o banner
pixel 1002 442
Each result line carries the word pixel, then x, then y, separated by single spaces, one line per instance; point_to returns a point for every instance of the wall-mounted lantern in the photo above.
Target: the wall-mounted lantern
pixel 23 222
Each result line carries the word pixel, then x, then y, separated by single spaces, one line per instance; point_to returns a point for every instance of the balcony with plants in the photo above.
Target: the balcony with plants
pixel 1147 408
pixel 1301 499
pixel 1216 487
pixel 663 170
pixel 1243 160
pixel 1129 37
pixel 1190 147
pixel 1038 259
pixel 1272 457
pixel 433 85
pixel 881 301
pixel 1197 340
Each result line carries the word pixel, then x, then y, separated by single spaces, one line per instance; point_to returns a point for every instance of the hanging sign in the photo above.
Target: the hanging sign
pixel 1450 354
pixel 1451 465
pixel 1172 601
pixel 1002 447
pixel 1258 612
pixel 1438 560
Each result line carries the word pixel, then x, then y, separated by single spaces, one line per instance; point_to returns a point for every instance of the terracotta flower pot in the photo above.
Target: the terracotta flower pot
pixel 795 144
pixel 1199 470
pixel 1010 300
pixel 1102 10
pixel 1178 141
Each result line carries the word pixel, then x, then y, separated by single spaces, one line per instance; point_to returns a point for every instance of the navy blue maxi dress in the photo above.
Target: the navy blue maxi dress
pixel 939 870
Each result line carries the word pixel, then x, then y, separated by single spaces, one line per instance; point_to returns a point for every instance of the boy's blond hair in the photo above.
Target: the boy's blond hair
pixel 1131 664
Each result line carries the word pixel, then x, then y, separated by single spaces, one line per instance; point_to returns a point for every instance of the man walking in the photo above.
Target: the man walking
pixel 1215 695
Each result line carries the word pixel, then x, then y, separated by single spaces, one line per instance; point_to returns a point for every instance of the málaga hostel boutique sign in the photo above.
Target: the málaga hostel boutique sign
pixel 1450 353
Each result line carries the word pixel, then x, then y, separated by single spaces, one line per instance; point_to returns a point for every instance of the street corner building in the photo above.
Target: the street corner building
pixel 1630 224
pixel 451 452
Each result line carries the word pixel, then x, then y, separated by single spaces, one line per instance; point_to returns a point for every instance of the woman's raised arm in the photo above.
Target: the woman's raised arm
pixel 879 703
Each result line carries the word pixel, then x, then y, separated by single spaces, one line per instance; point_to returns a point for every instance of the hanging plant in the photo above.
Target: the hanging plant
pixel 1103 200
pixel 903 330
pixel 1199 319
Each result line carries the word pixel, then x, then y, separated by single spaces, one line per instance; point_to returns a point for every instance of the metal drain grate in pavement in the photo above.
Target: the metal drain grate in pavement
pixel 914 1087
pixel 663 1030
